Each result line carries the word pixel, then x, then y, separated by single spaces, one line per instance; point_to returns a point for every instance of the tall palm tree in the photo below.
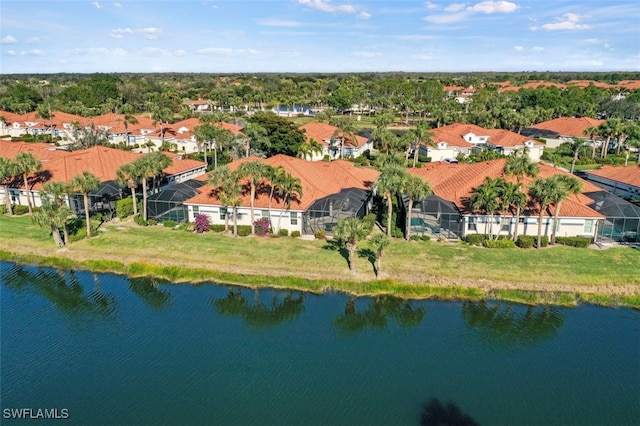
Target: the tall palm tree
pixel 389 183
pixel 576 147
pixel 486 198
pixel 543 191
pixel 162 116
pixel 85 183
pixel 228 190
pixel 308 148
pixel 255 171
pixel 423 136
pixel 379 242
pixel 519 164
pixel 276 177
pixel 349 231
pixel 513 198
pixel 290 187
pixel 566 186
pixel 346 130
pixel 415 189
pixel 128 174
pixel 27 165
pixel 255 135
pixel 54 212
pixel 8 170
pixel 150 166
pixel 592 132
pixel 126 120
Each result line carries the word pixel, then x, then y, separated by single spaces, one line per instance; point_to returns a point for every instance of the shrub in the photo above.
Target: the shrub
pixel 525 241
pixel 201 223
pixel 79 234
pixel 415 238
pixel 320 235
pixel 262 226
pixel 295 234
pixel 476 239
pixel 140 221
pixel 499 244
pixel 124 207
pixel 369 221
pixel 186 226
pixel 20 210
pixel 169 224
pixel 544 241
pixel 3 210
pixel 283 232
pixel 152 222
pixel 244 230
pixel 581 242
pixel 426 238
pixel 216 228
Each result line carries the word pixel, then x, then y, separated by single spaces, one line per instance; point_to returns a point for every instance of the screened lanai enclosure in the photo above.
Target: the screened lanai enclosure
pixel 622 221
pixel 323 214
pixel 103 200
pixel 168 204
pixel 436 217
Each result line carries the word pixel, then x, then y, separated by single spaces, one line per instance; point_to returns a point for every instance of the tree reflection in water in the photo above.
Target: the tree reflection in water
pixel 62 289
pixel 435 413
pixel 377 315
pixel 146 288
pixel 503 325
pixel 259 314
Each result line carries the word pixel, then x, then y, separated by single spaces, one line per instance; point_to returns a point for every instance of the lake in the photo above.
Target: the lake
pixel 113 350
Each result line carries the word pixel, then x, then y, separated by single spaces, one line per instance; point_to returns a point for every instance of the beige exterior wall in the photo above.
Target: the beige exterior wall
pixel 290 220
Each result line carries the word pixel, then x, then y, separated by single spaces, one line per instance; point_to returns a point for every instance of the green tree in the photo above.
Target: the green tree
pixel 379 243
pixel 8 170
pixel 290 187
pixel 543 191
pixel 486 198
pixel 151 165
pixel 129 174
pixel 513 198
pixel 414 188
pixel 162 116
pixel 228 190
pixel 255 171
pixel 308 148
pixel 350 231
pixel 389 183
pixel 85 183
pixel 346 131
pixel 256 136
pixel 87 137
pixel 128 119
pixel 53 213
pixel 566 186
pixel 28 164
pixel 576 148
pixel 519 164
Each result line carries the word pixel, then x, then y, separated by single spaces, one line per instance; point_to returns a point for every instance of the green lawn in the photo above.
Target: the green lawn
pixel 408 268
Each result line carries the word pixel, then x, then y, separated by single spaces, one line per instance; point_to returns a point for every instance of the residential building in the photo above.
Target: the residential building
pixel 335 145
pixel 562 129
pixel 623 181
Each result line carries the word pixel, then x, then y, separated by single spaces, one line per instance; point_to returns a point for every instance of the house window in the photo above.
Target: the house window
pixel 473 227
pixel 223 213
pixel 505 227
pixel 294 218
pixel 196 210
pixel 588 226
pixel 265 213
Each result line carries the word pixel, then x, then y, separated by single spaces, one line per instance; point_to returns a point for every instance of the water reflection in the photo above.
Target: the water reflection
pixel 435 413
pixel 259 314
pixel 62 289
pixel 377 315
pixel 503 325
pixel 146 288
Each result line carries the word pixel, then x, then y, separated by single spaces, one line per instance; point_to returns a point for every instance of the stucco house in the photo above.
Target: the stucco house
pixel 335 146
pixel 561 130
pixel 455 139
pixel 330 191
pixel 623 181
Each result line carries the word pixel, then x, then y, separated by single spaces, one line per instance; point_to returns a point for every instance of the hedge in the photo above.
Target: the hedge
pixel 499 244
pixel 476 239
pixel 581 242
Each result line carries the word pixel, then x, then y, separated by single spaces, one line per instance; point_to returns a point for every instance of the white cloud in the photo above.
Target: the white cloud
pixel 155 51
pixel 424 56
pixel 364 15
pixel 32 52
pixel 289 54
pixel 568 21
pixel 518 48
pixel 97 5
pixel 226 52
pixel 179 52
pixel 446 18
pixel 150 33
pixel 11 52
pixel 431 6
pixel 116 4
pixel 33 40
pixel 279 23
pixel 456 7
pixel 493 7
pixel 538 49
pixel 328 6
pixel 9 39
pixel 365 54
pixel 102 51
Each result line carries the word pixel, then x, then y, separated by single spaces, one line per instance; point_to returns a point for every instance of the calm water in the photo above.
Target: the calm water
pixel 113 350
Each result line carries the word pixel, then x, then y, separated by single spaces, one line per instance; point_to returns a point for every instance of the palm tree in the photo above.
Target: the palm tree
pixel 85 183
pixel 290 187
pixel 151 165
pixel 129 175
pixel 486 198
pixel 27 165
pixel 576 147
pixel 126 120
pixel 349 231
pixel 8 170
pixel 228 189
pixel 346 130
pixel 512 197
pixel 255 135
pixel 54 212
pixel 161 115
pixel 520 165
pixel 567 186
pixel 255 171
pixel 308 148
pixel 415 189
pixel 276 177
pixel 543 191
pixel 204 133
pixel 379 243
pixel 592 131
pixel 423 136
pixel 389 183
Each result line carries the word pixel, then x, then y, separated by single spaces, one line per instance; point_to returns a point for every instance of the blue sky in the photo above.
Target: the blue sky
pixel 318 36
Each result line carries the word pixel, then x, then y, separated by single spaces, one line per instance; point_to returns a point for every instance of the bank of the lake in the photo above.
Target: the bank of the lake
pixel 417 270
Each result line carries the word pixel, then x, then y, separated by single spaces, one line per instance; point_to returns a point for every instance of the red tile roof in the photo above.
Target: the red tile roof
pixel 569 126
pixel 456 183
pixel 322 133
pixel 102 161
pixel 318 180
pixel 453 135
pixel 625 174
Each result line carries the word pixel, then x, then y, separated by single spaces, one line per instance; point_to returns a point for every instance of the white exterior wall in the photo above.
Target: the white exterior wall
pixel 244 216
pixel 439 154
pixel 622 190
pixel 568 227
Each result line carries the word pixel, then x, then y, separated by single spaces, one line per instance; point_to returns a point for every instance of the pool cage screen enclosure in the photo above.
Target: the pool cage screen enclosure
pixel 435 216
pixel 622 218
pixel 324 214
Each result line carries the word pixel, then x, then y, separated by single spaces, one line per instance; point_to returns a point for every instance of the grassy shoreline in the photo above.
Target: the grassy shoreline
pixel 412 270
